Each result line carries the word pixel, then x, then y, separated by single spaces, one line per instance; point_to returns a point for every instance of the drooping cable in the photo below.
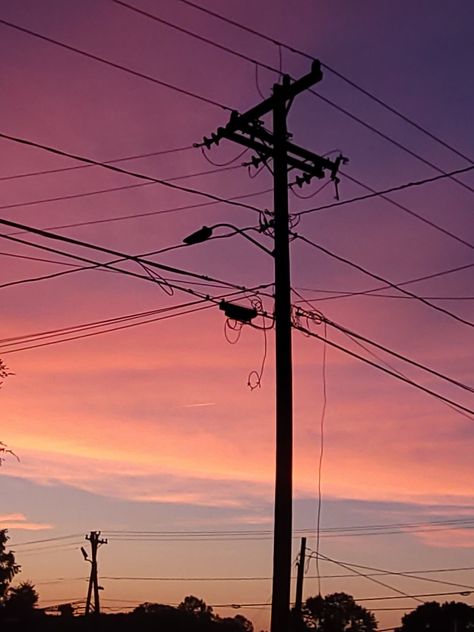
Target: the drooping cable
pixel 253 61
pixel 134 174
pixel 356 266
pixel 45 172
pixel 113 64
pixel 464 410
pixel 407 185
pixel 335 72
pixel 380 288
pixel 321 456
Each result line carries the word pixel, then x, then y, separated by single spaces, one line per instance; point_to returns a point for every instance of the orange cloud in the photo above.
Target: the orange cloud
pixel 18 521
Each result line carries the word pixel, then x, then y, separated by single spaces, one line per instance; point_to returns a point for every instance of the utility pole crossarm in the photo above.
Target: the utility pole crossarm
pixel 237 121
pixel 247 129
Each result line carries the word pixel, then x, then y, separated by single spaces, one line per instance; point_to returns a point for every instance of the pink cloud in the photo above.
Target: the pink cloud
pixel 18 521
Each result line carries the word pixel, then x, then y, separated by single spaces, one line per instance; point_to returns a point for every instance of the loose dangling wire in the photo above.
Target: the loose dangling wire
pixel 255 377
pixel 235 326
pixel 154 276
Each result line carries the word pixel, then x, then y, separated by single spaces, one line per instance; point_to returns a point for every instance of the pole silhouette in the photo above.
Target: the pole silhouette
pixel 248 129
pixel 96 542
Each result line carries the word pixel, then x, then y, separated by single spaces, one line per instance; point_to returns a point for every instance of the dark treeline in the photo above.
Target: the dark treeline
pixel 145 618
pixel 337 612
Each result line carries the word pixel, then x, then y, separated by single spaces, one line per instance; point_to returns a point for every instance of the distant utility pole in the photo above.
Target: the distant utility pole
pixel 96 542
pixel 248 130
pixel 299 582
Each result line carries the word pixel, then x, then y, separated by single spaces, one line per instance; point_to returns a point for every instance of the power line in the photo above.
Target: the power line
pixel 96 265
pixel 398 355
pixel 112 325
pixel 44 172
pixel 122 256
pixel 73 196
pixel 340 294
pixel 175 209
pixel 411 212
pixel 17 256
pixel 400 187
pixel 134 174
pixel 312 91
pixel 410 575
pixel 251 60
pixel 370 578
pixel 344 78
pixel 427 277
pixel 460 407
pixel 379 278
pixel 115 65
pixel 42 541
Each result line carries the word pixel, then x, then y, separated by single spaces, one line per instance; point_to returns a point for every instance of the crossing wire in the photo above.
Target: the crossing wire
pixel 335 72
pixel 134 174
pixel 382 279
pixel 407 185
pixel 44 172
pixel 74 196
pixel 115 65
pixel 397 355
pixel 51 40
pixel 464 410
pixel 328 101
pixel 426 277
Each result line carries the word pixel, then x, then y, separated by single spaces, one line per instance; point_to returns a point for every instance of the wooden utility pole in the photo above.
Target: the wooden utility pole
pixel 96 542
pixel 248 130
pixel 299 581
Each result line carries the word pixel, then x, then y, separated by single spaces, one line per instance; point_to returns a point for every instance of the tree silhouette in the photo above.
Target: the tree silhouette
pixel 453 616
pixel 21 600
pixel 235 624
pixel 195 606
pixel 8 566
pixel 4 371
pixel 337 612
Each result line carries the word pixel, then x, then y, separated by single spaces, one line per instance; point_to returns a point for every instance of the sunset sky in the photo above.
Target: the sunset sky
pixel 153 428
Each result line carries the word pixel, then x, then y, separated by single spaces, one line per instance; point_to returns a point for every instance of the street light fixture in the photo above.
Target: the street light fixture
pixel 206 232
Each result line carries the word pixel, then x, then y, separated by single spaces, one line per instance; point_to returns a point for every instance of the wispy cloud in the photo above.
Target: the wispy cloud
pixel 18 521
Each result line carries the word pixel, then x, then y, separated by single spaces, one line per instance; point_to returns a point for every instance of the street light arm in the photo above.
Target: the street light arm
pixel 205 233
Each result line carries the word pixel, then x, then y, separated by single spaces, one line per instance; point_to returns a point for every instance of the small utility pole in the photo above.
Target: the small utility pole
pixel 248 130
pixel 299 581
pixel 96 542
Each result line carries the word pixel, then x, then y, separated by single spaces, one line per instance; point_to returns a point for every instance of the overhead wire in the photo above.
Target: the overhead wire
pixel 253 61
pixel 370 578
pixel 131 7
pixel 133 216
pixel 102 249
pixel 397 355
pixel 331 69
pixel 356 266
pixel 321 456
pixel 445 174
pixel 427 277
pixel 115 65
pixel 319 318
pixel 134 174
pixel 407 185
pixel 462 409
pixel 41 259
pixel 73 196
pixel 341 294
pixel 100 266
pixel 44 172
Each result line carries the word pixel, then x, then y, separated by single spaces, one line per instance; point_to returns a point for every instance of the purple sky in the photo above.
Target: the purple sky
pixel 153 428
